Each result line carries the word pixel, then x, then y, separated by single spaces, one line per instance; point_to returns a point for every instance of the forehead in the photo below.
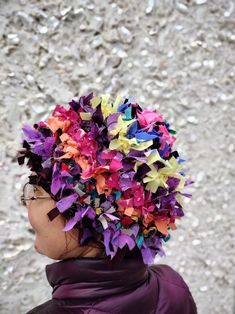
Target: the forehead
pixel 32 173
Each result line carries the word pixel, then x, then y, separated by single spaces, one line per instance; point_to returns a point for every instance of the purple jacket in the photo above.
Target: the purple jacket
pixel 96 286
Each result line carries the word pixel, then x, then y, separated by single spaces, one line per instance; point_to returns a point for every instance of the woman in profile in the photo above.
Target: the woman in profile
pixel 103 195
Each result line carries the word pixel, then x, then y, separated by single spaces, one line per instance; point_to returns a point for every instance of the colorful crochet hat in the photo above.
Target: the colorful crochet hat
pixel 112 171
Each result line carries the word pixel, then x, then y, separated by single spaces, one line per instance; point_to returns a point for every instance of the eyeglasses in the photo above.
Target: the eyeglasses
pixel 29 194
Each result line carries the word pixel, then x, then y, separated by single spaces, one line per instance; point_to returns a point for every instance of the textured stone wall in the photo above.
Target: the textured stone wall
pixel 175 56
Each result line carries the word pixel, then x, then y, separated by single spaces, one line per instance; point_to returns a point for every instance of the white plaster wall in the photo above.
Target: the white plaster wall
pixel 176 56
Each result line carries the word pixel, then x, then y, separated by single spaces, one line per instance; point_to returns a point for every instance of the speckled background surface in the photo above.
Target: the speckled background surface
pixel 176 56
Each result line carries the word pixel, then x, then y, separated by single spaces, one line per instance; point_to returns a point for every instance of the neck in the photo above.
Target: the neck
pixel 85 251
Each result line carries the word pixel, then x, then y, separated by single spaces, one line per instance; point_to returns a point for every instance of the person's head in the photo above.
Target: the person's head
pixel 113 179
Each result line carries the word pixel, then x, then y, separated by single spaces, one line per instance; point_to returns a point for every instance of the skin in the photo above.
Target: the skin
pixel 50 239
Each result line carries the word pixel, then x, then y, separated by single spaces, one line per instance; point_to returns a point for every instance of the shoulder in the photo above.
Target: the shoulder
pixel 62 307
pixel 50 307
pixel 169 275
pixel 173 292
pixel 42 308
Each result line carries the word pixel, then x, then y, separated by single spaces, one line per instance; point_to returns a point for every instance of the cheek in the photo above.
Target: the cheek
pixel 33 220
pixel 37 214
pixel 49 235
pixel 50 243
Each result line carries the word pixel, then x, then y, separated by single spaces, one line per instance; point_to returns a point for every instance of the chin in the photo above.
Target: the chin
pixel 37 249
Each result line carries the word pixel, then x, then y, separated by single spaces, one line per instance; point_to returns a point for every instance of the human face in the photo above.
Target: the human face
pixel 50 239
pixel 49 235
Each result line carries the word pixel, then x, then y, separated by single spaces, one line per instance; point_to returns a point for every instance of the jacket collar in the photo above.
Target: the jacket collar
pixel 94 277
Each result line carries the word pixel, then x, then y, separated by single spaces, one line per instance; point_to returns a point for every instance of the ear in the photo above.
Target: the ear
pixel 73 233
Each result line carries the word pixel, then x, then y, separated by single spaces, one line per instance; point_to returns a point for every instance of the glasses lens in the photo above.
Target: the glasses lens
pixel 28 192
